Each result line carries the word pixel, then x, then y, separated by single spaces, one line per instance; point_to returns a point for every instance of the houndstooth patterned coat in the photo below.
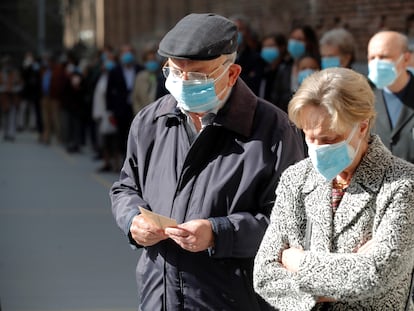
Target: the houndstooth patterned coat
pixel 378 205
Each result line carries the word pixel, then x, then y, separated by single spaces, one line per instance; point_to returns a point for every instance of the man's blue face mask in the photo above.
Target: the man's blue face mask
pixel 383 72
pixel 195 95
pixel 127 58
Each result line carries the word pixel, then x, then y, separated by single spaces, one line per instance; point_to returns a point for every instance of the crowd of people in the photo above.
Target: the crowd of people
pixel 278 177
pixel 75 100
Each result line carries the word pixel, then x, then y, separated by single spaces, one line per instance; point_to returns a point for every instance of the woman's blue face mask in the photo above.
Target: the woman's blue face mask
pixel 296 48
pixel 269 54
pixel 331 159
pixel 303 74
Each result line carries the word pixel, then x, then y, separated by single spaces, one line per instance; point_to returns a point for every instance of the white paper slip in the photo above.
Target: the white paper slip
pixel 159 220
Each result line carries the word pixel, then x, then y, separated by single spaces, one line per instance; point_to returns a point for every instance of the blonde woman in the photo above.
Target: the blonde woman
pixel 341 235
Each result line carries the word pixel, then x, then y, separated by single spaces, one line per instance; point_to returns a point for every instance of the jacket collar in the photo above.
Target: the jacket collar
pixel 236 115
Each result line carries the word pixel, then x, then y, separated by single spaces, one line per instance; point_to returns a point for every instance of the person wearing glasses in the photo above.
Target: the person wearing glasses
pixel 207 157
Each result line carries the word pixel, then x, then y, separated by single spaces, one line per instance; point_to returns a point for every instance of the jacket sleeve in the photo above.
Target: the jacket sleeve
pixel 271 280
pixel 126 194
pixel 353 276
pixel 240 234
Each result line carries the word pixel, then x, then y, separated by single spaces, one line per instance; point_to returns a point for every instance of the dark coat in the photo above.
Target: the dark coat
pixel 117 93
pixel 400 140
pixel 282 86
pixel 228 175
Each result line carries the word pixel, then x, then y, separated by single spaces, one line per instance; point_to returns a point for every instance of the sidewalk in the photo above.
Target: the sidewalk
pixel 60 248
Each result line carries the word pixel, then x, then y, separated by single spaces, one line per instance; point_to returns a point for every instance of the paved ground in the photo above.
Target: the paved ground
pixel 60 248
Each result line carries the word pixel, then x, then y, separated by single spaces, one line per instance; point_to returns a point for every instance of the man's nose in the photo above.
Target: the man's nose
pixel 184 75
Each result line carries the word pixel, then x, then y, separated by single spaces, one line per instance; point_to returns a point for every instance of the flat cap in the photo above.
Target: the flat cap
pixel 200 37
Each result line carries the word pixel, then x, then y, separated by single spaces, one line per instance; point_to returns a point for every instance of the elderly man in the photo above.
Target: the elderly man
pixel 388 57
pixel 207 157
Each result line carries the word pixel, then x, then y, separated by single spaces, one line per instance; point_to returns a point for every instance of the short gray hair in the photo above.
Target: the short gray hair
pixel 340 38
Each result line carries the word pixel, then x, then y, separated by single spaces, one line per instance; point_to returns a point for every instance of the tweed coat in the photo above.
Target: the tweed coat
pixel 378 205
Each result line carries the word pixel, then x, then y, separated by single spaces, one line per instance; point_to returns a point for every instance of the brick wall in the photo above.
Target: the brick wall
pixel 139 21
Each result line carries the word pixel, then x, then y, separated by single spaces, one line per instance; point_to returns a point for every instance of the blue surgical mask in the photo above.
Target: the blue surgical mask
pixel 127 58
pixel 109 65
pixel 152 65
pixel 331 159
pixel 296 48
pixel 330 62
pixel 269 54
pixel 303 74
pixel 382 72
pixel 194 95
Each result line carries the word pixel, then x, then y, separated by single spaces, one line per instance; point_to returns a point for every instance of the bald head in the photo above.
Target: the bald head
pixel 391 46
pixel 386 44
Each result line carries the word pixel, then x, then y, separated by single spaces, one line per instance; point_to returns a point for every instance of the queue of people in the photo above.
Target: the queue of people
pixel 77 101
pixel 255 173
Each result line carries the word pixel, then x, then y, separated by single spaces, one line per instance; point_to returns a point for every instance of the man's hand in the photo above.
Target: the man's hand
pixel 145 232
pixel 194 235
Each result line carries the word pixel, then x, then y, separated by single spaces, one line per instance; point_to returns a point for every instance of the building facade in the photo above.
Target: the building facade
pixel 113 22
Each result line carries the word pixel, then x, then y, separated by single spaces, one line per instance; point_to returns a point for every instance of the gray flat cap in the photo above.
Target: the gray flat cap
pixel 200 37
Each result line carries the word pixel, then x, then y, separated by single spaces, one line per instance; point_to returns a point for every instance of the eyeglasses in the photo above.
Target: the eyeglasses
pixel 191 76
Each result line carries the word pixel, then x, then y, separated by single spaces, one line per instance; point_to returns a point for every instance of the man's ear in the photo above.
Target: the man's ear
pixel 406 58
pixel 234 73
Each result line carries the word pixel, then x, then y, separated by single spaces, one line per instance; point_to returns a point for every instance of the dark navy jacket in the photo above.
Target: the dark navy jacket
pixel 229 175
pixel 400 139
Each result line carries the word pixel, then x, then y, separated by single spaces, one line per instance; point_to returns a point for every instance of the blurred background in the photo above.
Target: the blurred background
pixel 87 25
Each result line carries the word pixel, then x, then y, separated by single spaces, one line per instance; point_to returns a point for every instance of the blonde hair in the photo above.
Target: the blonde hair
pixel 345 94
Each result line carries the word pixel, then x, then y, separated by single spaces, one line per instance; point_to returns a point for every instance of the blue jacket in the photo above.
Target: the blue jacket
pixel 228 175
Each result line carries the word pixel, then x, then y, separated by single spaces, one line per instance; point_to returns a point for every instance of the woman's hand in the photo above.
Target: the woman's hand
pixel 291 258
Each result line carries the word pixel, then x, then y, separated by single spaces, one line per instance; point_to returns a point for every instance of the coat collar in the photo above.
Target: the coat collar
pixel 236 115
